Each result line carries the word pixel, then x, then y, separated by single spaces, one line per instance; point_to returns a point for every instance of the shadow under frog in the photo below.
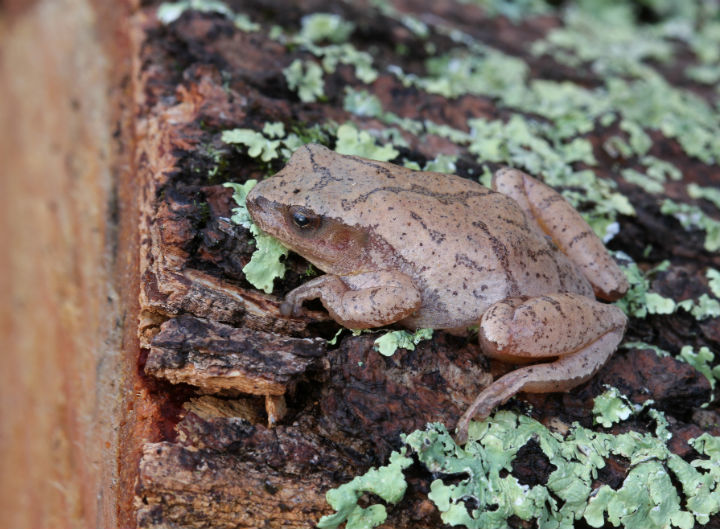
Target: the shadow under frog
pixel 426 249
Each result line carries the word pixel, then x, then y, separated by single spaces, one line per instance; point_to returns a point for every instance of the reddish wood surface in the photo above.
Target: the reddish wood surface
pixel 68 275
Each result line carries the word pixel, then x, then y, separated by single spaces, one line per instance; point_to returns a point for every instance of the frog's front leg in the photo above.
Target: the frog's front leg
pixel 580 331
pixel 359 301
pixel 554 216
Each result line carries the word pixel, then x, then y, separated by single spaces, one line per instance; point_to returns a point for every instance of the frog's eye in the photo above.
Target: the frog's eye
pixel 304 219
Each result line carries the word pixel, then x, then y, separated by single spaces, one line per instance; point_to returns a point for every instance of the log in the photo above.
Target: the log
pixel 223 346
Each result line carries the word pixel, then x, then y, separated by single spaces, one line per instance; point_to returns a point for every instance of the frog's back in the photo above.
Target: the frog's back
pixel 466 246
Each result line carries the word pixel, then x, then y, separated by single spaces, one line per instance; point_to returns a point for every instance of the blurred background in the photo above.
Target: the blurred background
pixel 62 64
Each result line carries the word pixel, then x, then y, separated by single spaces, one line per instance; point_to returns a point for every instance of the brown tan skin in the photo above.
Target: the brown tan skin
pixel 433 250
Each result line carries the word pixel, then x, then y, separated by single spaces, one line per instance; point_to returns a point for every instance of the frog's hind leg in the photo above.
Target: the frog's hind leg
pixel 580 332
pixel 569 231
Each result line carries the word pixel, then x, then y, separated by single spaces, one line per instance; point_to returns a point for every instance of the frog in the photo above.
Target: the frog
pixel 423 249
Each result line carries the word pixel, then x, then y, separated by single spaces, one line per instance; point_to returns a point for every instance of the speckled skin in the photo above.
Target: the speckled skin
pixel 433 250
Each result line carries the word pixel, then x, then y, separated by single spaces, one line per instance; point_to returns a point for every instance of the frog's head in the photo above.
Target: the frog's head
pixel 302 207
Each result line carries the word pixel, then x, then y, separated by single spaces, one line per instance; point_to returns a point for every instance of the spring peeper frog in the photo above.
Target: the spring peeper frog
pixel 425 249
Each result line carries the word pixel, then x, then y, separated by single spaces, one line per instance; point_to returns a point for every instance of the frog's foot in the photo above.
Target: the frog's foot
pixel 360 301
pixel 555 217
pixel 582 332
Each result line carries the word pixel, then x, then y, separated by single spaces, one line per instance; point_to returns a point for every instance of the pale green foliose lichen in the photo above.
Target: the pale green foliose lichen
pixel 703 308
pixel 390 342
pixel 322 27
pixel 442 163
pixel 273 143
pixel 266 262
pixel 642 345
pixel 306 78
pixel 387 482
pixel 711 194
pixel 258 145
pixel 611 407
pixel 356 142
pixel 639 301
pixel 325 26
pixel 514 10
pixel 701 360
pixel 692 217
pixel 169 12
pixel 713 277
pixel 476 489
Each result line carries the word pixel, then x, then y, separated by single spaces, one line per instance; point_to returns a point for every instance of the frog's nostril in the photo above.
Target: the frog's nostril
pixel 256 203
pixel 261 211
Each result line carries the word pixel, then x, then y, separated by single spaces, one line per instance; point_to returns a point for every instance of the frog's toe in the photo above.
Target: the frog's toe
pixel 288 308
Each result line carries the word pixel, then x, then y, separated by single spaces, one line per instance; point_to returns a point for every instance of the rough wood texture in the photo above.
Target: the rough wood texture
pixel 213 462
pixel 66 247
pixel 182 487
pixel 217 357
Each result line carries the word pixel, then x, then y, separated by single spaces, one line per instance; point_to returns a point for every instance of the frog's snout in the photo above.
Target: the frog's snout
pixel 258 207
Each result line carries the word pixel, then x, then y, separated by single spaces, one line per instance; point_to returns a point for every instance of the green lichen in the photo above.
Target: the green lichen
pixel 258 145
pixel 642 345
pixel 332 28
pixel 701 360
pixel 356 142
pixel 266 262
pixel 606 39
pixel 362 103
pixel 638 142
pixel 320 27
pixel 704 73
pixel 306 78
pixel 442 163
pixel 464 72
pixel 642 180
pixel 703 308
pixel 514 10
pixel 692 217
pixel 711 194
pixel 390 342
pixel 639 301
pixel 678 114
pixel 611 407
pixel 274 143
pixel 713 277
pixel 656 174
pixel 387 482
pixel 476 489
pixel 333 55
pixel 169 12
